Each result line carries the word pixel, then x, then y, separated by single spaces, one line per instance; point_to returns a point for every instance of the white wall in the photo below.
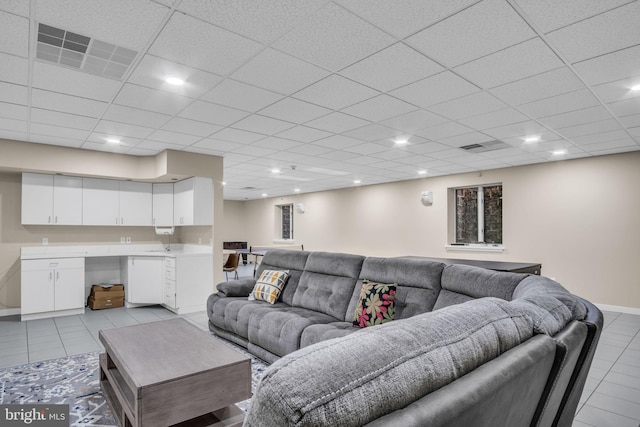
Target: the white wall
pixel 578 218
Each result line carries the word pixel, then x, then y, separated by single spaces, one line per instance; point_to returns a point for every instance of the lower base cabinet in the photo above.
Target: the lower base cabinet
pixel 52 287
pixel 143 278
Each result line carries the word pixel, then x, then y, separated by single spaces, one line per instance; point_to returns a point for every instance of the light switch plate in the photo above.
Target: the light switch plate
pixel 45 241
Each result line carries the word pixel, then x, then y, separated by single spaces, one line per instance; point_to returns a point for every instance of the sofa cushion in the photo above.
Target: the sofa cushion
pixel 326 331
pixel 375 305
pixel 269 285
pixel 348 381
pixel 282 259
pixel 327 283
pixel 417 283
pixel 548 314
pixel 475 282
pixel 540 285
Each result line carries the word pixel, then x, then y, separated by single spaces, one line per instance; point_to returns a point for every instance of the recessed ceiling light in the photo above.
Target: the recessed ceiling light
pixel 422 172
pixel 635 88
pixel 264 194
pixel 296 190
pixel 532 139
pixel 223 183
pixel 275 170
pixel 356 181
pixel 113 140
pixel 174 81
pixel 401 141
pixel 559 152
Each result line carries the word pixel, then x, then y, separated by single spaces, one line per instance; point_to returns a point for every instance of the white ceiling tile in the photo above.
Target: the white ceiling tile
pixel 17 7
pixel 443 130
pixel 479 30
pixel 14 33
pixel 17 136
pixel 72 82
pixel 55 140
pixel 212 113
pixel 191 127
pixel 372 132
pixel 608 32
pixel 337 142
pixel 121 22
pixel 544 85
pixel 511 64
pixel 58 131
pixel 519 141
pixel 395 66
pixel 265 125
pixel 217 145
pixel 465 139
pixel 631 121
pixel 365 149
pixel 618 90
pixel 339 155
pixel 14 69
pixel 414 121
pixel 391 154
pixel 335 92
pixel 627 107
pixel 572 118
pixel 122 129
pixel 13 94
pixel 589 128
pixel 279 72
pixel 14 111
pixel 257 20
pixel 65 103
pixel 152 72
pixel 241 96
pixel 610 67
pixel 518 129
pixel 304 134
pixel 470 105
pixel 616 145
pixel 333 38
pixel 158 146
pixel 337 123
pixel 173 137
pixel 379 108
pixel 151 100
pixel 109 148
pixel 560 104
pixel 311 150
pixel 237 135
pixel 252 150
pixel 550 15
pixel 494 119
pixel 277 143
pixel 120 113
pixel 294 111
pixel 435 89
pixel 13 125
pixel 184 39
pixel 601 137
pixel 62 119
pixel 124 141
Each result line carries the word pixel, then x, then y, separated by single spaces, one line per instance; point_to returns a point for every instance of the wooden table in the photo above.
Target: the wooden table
pixel 172 373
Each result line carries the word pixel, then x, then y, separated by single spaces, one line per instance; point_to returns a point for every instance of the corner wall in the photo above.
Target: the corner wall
pixel 578 218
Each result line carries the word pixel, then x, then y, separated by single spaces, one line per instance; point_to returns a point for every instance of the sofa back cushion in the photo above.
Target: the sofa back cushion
pixel 348 381
pixel 417 283
pixel 461 283
pixel 282 259
pixel 328 282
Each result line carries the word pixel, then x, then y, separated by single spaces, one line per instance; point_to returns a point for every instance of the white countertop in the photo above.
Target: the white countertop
pixel 125 249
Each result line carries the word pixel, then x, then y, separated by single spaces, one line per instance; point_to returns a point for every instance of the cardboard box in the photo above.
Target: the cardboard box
pixel 106 297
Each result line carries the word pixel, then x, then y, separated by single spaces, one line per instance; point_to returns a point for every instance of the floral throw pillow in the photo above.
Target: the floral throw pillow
pixel 269 285
pixel 375 305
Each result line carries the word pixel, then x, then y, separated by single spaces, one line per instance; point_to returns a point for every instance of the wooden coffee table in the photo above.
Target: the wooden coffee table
pixel 171 373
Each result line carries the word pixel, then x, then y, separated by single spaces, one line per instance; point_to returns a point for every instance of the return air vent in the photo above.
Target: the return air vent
pixel 485 146
pixel 248 188
pixel 83 53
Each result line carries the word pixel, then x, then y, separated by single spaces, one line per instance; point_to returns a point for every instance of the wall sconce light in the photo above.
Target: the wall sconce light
pixel 427 198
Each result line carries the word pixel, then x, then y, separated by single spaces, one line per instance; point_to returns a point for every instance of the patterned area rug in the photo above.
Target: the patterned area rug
pixel 75 380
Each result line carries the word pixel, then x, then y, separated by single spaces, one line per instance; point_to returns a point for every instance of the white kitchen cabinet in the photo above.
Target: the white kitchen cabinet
pixel 163 204
pixel 143 278
pixel 52 287
pixel 100 202
pixel 188 282
pixel 51 199
pixel 193 201
pixel 136 203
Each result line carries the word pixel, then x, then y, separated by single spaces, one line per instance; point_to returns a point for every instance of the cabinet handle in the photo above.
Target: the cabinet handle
pixel 56 219
pixel 57 275
pixel 49 220
pixel 116 220
pixel 50 275
pixel 122 220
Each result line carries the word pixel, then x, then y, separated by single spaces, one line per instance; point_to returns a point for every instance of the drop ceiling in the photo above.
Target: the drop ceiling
pixel 323 91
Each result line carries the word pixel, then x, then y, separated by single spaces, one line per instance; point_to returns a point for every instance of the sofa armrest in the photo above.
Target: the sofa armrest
pixel 236 288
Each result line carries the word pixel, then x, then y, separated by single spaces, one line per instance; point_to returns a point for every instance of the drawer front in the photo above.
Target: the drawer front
pixel 169 273
pixel 170 300
pixel 170 262
pixel 170 286
pixel 52 263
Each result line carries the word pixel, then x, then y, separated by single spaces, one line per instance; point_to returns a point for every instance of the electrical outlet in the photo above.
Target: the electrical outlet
pixel 199 240
pixel 122 239
pixel 128 239
pixel 45 241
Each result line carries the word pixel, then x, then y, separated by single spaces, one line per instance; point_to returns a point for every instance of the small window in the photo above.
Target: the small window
pixel 285 231
pixel 478 214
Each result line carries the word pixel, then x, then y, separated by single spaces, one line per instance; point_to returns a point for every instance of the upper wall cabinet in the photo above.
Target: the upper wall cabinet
pixel 110 202
pixel 163 205
pixel 51 199
pixel 193 201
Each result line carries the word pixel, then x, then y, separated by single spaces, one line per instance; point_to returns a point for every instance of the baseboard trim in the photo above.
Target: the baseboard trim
pixel 618 309
pixel 9 312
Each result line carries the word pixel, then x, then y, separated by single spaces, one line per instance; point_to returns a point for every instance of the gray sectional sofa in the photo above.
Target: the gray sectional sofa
pixel 468 346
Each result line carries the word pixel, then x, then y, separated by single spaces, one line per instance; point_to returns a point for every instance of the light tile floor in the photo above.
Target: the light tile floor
pixel 611 397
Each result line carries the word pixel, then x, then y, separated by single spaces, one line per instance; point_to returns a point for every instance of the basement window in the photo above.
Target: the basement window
pixel 284 222
pixel 477 218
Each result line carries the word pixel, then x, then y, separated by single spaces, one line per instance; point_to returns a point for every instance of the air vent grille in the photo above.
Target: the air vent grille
pixel 83 53
pixel 485 146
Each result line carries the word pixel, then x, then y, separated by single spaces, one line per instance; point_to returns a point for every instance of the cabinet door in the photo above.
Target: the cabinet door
pixel 69 284
pixel 37 198
pixel 183 193
pixel 37 289
pixel 163 205
pixel 135 203
pixel 67 200
pixel 145 280
pixel 100 202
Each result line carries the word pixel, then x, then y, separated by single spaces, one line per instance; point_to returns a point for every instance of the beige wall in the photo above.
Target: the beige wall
pixel 577 218
pixel 16 157
pixel 235 226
